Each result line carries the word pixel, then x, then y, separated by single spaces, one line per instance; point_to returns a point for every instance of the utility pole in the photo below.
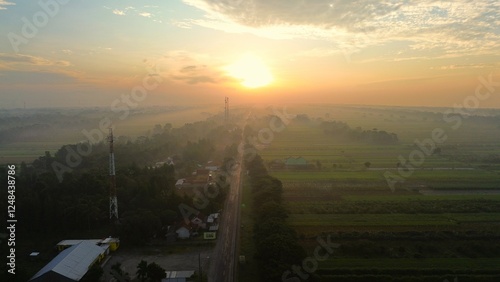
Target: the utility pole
pixel 226 109
pixel 199 267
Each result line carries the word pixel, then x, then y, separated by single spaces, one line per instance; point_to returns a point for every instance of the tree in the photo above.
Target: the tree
pixel 94 274
pixel 271 210
pixel 118 273
pixel 155 272
pixel 368 164
pixel 142 270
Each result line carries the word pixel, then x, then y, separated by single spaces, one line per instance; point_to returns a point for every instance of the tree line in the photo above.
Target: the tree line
pixel 343 132
pixel 277 247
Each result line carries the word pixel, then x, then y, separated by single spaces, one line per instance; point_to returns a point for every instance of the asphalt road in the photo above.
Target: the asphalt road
pixel 224 263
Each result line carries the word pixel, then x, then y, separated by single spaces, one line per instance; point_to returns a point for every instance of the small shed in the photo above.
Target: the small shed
pixel 178 276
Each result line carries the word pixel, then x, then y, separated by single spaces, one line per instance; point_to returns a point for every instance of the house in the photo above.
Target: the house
pixel 64 244
pixel 213 218
pixel 199 222
pixel 179 183
pixel 297 163
pixel 111 243
pixel 184 232
pixel 200 179
pixel 169 161
pixel 72 263
pixel 212 166
pixel 202 171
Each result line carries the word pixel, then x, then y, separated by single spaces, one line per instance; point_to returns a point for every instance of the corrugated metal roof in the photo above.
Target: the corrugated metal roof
pixel 110 240
pixel 179 274
pixel 73 262
pixel 173 280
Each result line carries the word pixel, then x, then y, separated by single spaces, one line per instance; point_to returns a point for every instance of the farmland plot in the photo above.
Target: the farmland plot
pixel 441 216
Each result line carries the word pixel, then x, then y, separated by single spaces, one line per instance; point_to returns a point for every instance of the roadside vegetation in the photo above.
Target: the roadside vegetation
pixel 276 242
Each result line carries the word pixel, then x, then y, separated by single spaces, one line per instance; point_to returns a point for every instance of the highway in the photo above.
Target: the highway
pixel 224 264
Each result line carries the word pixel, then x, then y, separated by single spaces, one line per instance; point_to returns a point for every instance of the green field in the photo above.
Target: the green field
pixel 27 151
pixel 374 175
pixel 392 219
pixel 340 195
pixel 403 263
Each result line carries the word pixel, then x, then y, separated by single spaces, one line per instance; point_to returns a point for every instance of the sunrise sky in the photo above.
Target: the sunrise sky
pixel 92 52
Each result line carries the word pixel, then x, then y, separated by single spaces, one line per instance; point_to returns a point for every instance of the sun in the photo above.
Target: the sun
pixel 251 71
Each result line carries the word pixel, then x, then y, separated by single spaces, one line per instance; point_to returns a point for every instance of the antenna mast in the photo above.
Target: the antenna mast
pixel 113 200
pixel 226 109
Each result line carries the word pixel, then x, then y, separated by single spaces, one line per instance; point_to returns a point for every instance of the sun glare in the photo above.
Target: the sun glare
pixel 251 71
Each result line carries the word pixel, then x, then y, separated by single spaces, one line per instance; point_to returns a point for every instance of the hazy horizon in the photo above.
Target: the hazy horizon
pixel 94 53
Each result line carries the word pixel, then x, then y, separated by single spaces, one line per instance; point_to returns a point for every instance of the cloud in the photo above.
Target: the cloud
pixel 195 74
pixel 321 13
pixel 22 69
pixel 4 3
pixel 28 60
pixel 402 81
pixel 452 28
pixel 119 12
pixel 186 67
pixel 195 79
pixel 465 66
pixel 181 24
pixel 127 11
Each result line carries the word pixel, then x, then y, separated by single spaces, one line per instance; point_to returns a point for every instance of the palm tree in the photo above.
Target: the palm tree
pixel 156 272
pixel 142 270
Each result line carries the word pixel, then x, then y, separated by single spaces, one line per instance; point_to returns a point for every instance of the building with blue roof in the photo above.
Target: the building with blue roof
pixel 72 263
